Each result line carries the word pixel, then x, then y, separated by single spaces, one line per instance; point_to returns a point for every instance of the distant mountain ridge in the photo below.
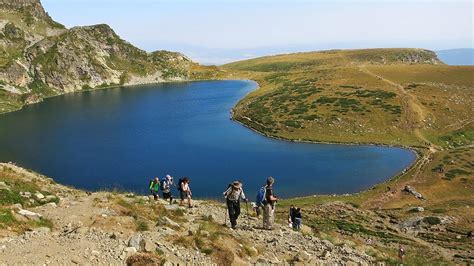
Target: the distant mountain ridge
pixel 457 57
pixel 40 57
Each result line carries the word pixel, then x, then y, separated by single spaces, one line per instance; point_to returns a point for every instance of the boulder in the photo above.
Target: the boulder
pixel 134 241
pixel 147 245
pixel 418 209
pixel 30 215
pixel 130 251
pixel 38 196
pixel 50 198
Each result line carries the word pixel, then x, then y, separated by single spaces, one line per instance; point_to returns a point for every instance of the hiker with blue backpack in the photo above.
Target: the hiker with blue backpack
pixel 166 184
pixel 154 187
pixel 267 200
pixel 233 195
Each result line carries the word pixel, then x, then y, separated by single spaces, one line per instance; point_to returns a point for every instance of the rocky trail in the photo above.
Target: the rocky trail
pixel 90 228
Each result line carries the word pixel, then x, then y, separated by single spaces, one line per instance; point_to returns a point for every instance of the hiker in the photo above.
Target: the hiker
pixel 291 216
pixel 185 191
pixel 297 218
pixel 166 185
pixel 154 187
pixel 269 205
pixel 233 195
pixel 401 253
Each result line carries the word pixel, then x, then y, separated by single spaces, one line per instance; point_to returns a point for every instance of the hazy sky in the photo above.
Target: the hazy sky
pixel 197 26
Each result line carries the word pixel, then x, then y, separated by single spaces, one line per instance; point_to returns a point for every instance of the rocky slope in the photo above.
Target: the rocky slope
pixel 42 222
pixel 41 58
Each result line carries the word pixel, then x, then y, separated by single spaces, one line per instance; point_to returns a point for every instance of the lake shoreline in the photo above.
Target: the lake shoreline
pixel 416 151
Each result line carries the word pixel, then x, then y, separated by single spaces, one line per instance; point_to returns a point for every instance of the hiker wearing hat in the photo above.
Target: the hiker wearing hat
pixel 233 195
pixel 166 186
pixel 269 205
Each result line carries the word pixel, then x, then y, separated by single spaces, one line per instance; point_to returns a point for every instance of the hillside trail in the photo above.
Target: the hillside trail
pixel 414 117
pixel 90 230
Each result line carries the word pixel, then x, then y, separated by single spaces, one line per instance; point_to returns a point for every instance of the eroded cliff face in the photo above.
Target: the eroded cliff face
pixel 34 7
pixel 39 57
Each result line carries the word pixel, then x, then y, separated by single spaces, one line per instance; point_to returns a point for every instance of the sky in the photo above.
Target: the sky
pixel 219 31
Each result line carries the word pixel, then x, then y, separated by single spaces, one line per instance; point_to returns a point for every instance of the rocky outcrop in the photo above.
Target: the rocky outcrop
pixel 40 58
pixel 33 7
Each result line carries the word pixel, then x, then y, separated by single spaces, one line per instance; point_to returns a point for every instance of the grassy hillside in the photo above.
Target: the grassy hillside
pixel 371 96
pixel 383 96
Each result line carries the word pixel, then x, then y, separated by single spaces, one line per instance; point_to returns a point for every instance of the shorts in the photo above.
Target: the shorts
pixel 167 195
pixel 184 195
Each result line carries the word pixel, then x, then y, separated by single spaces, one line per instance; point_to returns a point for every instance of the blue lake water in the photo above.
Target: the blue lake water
pixel 122 137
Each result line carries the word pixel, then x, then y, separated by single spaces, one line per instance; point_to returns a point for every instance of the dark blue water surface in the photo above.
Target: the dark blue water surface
pixel 122 137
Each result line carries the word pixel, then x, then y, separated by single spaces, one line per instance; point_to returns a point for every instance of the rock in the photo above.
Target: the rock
pixel 19 217
pixel 303 256
pixel 134 241
pixel 326 254
pixel 147 245
pixel 205 233
pixel 25 194
pixel 75 260
pixel 418 209
pixel 95 252
pixel 82 230
pixel 253 251
pixel 30 215
pixel 51 205
pixel 38 196
pixel 50 198
pixel 412 191
pixel 4 185
pixel 42 230
pixel 170 222
pixel 328 244
pixel 17 207
pixel 130 250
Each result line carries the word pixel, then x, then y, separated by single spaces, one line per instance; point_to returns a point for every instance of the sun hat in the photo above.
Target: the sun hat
pixel 237 184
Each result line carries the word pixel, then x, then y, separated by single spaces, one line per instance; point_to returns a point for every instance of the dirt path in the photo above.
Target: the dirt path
pixel 414 111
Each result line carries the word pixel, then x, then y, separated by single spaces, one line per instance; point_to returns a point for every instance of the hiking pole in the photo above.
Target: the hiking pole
pixel 225 217
pixel 248 215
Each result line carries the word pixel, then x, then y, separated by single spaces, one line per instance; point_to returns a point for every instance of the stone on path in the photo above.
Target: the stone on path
pixel 30 215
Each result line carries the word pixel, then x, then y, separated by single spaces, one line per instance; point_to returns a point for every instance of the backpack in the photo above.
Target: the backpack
pixel 163 182
pixel 261 196
pixel 149 183
pixel 180 181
